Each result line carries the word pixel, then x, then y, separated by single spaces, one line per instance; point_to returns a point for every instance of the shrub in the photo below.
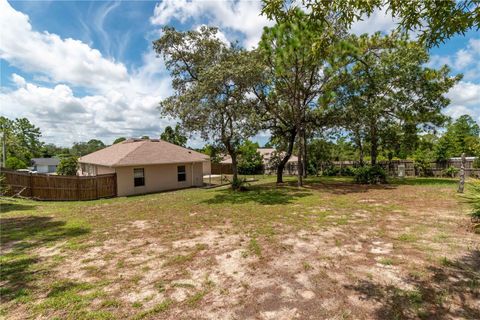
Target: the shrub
pixel 473 198
pixel 15 163
pixel 343 171
pixel 68 166
pixel 451 171
pixel 423 168
pixel 347 171
pixel 476 162
pixel 370 175
pixel 330 172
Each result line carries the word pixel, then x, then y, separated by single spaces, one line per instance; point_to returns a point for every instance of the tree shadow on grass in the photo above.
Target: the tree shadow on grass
pixel 266 195
pixel 19 268
pixel 456 282
pixel 13 205
pixel 425 181
pixel 335 187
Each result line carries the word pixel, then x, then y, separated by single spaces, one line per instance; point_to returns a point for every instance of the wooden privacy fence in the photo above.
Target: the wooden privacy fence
pixel 53 187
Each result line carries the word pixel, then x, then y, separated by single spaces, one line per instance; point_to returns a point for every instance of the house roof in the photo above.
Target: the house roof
pixel 45 161
pixel 266 154
pixel 134 152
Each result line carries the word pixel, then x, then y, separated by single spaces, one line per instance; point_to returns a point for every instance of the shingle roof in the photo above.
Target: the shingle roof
pixel 45 161
pixel 135 152
pixel 266 154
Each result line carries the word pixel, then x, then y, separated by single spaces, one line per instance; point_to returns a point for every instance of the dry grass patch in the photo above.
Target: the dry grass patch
pixel 330 250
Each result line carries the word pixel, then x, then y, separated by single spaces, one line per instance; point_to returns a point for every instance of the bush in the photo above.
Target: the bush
pixel 451 171
pixel 68 166
pixel 423 168
pixel 370 175
pixel 330 172
pixel 473 198
pixel 239 184
pixel 334 171
pixel 476 162
pixel 15 163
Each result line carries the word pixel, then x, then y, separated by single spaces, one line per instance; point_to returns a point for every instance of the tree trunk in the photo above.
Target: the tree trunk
pixel 374 144
pixel 283 162
pixel 305 166
pixel 300 157
pixel 360 149
pixel 234 171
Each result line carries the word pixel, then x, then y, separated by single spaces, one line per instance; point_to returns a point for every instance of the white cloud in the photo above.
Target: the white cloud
pixel 61 60
pixel 379 20
pixel 118 103
pixel 465 99
pixel 242 16
pixel 465 60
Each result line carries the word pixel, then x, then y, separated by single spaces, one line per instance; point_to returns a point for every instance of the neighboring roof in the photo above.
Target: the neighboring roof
pixel 466 158
pixel 45 161
pixel 266 154
pixel 133 152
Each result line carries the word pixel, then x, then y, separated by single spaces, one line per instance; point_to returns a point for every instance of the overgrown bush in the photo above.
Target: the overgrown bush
pixel 476 162
pixel 239 184
pixel 473 198
pixel 451 171
pixel 370 175
pixel 423 168
pixel 15 163
pixel 68 166
pixel 343 171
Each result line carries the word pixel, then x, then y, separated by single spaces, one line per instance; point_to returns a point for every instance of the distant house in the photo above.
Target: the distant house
pixel 45 165
pixel 268 165
pixel 145 166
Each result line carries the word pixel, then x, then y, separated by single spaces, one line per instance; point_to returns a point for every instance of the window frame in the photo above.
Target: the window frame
pixel 182 173
pixel 142 177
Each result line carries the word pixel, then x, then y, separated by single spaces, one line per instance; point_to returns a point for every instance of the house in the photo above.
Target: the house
pixel 45 165
pixel 269 166
pixel 146 166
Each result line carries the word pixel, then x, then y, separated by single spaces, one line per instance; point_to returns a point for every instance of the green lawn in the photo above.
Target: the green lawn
pixel 332 249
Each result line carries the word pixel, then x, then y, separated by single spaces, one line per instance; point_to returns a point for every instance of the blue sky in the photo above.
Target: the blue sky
pixel 83 70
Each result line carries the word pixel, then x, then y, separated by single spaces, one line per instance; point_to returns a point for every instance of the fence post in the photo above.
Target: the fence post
pixel 77 187
pixel 31 185
pixel 96 187
pixel 461 184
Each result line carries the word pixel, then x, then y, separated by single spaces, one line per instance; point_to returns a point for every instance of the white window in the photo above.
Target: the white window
pixel 138 177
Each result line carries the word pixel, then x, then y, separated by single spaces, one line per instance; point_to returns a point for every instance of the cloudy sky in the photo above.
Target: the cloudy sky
pixel 83 70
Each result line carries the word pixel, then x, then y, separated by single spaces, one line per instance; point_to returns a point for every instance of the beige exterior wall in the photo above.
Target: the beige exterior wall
pixel 86 169
pixel 158 178
pixel 207 167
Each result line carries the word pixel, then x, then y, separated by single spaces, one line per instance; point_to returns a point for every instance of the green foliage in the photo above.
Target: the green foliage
pixel 4 188
pixel 22 139
pixel 68 166
pixel 476 162
pixel 342 171
pixel 82 148
pixel 15 163
pixel 239 184
pixel 451 171
pixel 214 152
pixel 174 136
pixel 250 160
pixel 212 84
pixel 462 136
pixel 434 21
pixel 370 175
pixel 50 150
pixel 368 107
pixel 120 139
pixel 473 198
